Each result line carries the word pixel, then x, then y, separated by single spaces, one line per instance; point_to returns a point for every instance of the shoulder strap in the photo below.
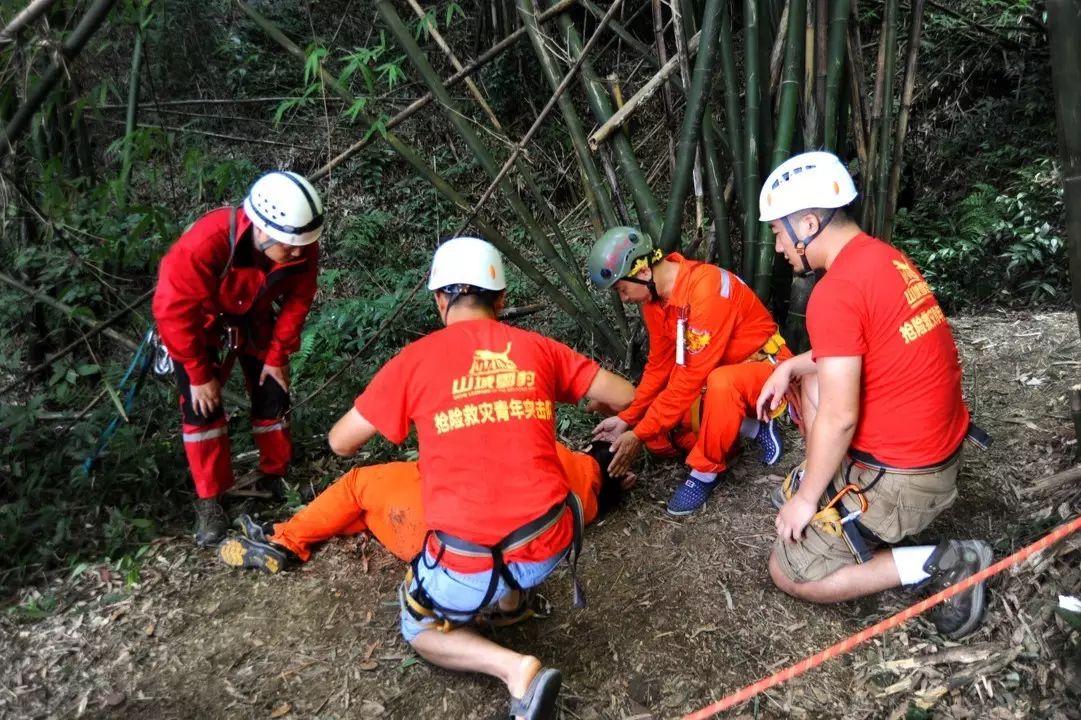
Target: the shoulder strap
pixel 232 243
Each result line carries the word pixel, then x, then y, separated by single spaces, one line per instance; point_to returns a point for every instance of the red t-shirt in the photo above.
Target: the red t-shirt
pixel 873 302
pixel 482 396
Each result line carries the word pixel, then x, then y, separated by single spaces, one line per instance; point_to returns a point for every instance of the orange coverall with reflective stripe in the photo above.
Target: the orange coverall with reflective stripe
pixel 385 500
pixel 723 324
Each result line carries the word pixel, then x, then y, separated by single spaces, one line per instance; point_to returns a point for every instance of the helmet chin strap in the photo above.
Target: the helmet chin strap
pixel 801 244
pixel 648 283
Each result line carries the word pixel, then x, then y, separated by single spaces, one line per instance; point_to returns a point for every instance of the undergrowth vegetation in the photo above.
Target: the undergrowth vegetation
pixel 983 220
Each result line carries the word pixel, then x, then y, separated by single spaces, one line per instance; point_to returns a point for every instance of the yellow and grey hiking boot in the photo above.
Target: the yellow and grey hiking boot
pixel 950 563
pixel 211 522
pixel 243 552
pixel 254 530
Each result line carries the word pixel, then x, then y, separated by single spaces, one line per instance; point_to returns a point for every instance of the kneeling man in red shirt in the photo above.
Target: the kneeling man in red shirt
pixel 497 504
pixel 882 410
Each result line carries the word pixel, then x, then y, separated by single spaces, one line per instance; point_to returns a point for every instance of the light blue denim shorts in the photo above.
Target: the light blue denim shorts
pixel 451 590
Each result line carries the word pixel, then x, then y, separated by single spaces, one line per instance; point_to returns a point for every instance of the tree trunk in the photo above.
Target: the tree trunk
pixel 1064 23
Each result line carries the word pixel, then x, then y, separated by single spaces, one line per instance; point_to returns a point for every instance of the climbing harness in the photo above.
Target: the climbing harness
pixel 422 606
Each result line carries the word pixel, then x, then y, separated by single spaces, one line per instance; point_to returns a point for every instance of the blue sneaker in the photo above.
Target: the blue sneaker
pixel 690 496
pixel 769 439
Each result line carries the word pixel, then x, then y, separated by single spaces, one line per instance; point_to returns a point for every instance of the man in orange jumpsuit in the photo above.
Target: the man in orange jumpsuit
pixel 712 344
pixel 385 500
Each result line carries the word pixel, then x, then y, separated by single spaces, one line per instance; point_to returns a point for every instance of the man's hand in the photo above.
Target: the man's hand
pixel 627 481
pixel 206 398
pixel 609 429
pixel 794 518
pixel 280 375
pixel 625 449
pixel 773 391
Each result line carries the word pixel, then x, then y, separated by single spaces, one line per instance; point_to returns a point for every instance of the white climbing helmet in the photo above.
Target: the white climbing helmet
pixel 805 181
pixel 286 207
pixel 467 261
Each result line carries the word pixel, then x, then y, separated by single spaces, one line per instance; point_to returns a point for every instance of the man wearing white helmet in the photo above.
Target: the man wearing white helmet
pixel 497 504
pixel 882 410
pixel 215 305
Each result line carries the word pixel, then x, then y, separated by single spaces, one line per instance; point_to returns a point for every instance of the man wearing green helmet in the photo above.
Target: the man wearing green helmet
pixel 712 344
pixel 882 410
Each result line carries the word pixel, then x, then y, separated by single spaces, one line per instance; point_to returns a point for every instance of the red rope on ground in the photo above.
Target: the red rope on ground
pixel 848 644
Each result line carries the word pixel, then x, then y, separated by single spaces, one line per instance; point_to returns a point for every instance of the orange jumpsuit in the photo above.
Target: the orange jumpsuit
pixel 724 325
pixel 385 500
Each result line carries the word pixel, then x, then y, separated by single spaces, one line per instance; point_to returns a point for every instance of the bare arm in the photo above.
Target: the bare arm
pixel 609 393
pixel 350 433
pixel 838 413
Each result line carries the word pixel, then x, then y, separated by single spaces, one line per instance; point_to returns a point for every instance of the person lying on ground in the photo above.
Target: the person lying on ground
pixel 385 500
pixel 482 397
pixel 881 407
pixel 712 344
pixel 215 304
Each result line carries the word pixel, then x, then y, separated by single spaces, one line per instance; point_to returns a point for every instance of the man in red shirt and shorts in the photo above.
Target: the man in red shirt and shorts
pixel 881 405
pixel 500 514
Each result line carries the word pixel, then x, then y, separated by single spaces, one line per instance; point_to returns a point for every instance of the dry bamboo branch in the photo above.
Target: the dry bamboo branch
pixel 220 136
pixel 567 79
pixel 644 93
pixel 27 15
pixel 68 311
pixel 453 80
pixel 69 50
pixel 457 65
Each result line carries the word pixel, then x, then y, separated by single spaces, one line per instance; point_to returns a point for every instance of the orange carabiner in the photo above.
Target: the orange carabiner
pixel 844 491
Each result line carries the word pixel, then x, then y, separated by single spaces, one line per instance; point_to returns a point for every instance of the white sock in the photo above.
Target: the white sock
pixel 910 562
pixel 706 477
pixel 748 427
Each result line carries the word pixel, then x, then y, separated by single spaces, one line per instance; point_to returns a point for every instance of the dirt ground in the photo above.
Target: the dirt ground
pixel 680 613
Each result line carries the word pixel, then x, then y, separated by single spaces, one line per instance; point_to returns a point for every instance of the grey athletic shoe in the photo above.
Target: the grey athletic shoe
pixel 950 563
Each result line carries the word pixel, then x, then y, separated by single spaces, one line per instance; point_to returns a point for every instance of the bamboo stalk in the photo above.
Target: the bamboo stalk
pixel 131 116
pixel 1064 23
pixel 570 279
pixel 219 136
pixel 889 23
pixel 838 34
pixel 669 105
pixel 867 217
pixel 912 53
pixel 649 214
pixel 69 50
pixel 613 180
pixel 856 95
pixel 620 29
pixel 692 124
pixel 620 117
pixel 594 182
pixel 23 18
pixel 682 52
pixel 752 87
pixel 720 251
pixel 423 101
pixel 787 115
pixel 821 49
pixel 732 122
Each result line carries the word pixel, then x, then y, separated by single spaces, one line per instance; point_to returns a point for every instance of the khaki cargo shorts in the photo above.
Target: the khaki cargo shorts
pixel 900 503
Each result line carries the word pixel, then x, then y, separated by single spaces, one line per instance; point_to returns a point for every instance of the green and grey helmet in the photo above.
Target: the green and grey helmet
pixel 620 253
